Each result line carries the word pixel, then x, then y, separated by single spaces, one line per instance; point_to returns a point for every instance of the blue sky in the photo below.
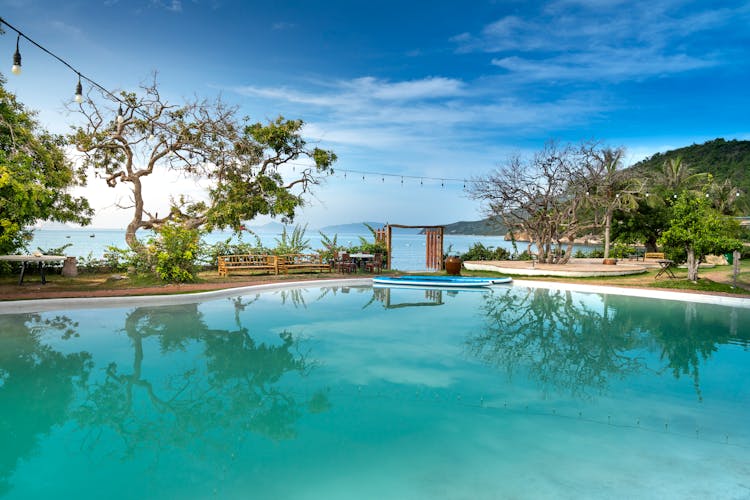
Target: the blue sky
pixel 442 89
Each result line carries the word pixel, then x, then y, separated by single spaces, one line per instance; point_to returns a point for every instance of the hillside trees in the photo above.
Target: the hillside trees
pixel 243 169
pixel 35 176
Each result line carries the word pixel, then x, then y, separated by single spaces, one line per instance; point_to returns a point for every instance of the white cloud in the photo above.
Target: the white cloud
pixel 594 39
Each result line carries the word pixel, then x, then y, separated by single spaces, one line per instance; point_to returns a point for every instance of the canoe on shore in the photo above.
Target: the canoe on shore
pixel 439 281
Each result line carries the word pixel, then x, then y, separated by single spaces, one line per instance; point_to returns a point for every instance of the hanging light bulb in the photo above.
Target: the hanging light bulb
pixel 120 118
pixel 16 68
pixel 79 91
pixel 151 135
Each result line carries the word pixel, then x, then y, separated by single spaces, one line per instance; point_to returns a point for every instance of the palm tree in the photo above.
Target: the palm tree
pixel 724 196
pixel 677 176
pixel 616 189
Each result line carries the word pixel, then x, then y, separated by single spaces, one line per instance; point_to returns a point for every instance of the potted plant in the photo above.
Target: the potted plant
pixel 452 262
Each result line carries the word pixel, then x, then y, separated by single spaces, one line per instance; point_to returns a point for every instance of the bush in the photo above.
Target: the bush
pixel 579 254
pixel 209 254
pixel 121 259
pixel 176 253
pixel 479 252
pixel 525 255
pixel 597 253
pixel 292 243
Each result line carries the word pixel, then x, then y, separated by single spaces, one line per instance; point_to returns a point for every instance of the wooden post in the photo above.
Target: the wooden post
pixel 388 246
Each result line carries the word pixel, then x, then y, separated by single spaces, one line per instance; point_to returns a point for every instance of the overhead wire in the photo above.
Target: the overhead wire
pixel 120 101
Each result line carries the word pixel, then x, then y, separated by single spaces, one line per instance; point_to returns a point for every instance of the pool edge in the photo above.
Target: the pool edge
pixel 44 305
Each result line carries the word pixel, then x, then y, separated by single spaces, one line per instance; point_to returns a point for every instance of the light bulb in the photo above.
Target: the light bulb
pixel 79 92
pixel 120 118
pixel 16 68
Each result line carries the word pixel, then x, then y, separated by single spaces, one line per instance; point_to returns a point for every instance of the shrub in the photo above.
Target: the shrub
pixel 479 252
pixel 525 255
pixel 176 253
pixel 292 243
pixel 209 254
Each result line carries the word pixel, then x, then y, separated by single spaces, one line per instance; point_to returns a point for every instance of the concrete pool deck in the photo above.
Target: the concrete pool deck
pixel 576 268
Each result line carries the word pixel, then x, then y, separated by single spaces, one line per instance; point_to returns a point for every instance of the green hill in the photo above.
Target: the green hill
pixel 722 159
pixel 477 227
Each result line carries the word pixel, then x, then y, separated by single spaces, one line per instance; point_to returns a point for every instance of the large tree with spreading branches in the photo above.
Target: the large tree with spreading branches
pixel 248 169
pixel 561 193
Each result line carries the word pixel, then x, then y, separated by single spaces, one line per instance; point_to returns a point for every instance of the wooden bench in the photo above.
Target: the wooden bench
pixel 653 255
pixel 303 262
pixel 231 263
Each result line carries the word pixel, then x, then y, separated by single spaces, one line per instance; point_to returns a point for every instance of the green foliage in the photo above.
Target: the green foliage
pixel 596 253
pixel 330 248
pixel 525 255
pixel 209 254
pixel 620 250
pixel 292 243
pixel 695 226
pixel 176 253
pixel 54 250
pixel 123 259
pixel 479 252
pixel 724 160
pixel 373 246
pixel 34 176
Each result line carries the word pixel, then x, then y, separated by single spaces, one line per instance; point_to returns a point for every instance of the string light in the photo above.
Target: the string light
pixel 16 68
pixel 79 91
pixel 402 177
pixel 120 117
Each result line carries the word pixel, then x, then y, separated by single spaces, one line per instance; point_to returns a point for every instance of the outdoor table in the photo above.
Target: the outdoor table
pixel 666 268
pixel 361 258
pixel 26 260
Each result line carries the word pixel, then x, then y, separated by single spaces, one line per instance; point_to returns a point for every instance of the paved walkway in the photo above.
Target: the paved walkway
pixel 576 268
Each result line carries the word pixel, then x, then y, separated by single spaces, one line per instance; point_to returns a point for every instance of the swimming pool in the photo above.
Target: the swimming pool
pixel 354 392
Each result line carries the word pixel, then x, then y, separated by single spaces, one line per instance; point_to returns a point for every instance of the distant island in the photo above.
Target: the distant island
pixel 478 228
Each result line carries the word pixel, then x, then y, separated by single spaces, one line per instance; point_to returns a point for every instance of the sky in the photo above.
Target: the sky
pixel 428 90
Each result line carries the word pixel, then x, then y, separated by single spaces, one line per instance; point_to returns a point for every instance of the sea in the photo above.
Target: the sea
pixel 409 249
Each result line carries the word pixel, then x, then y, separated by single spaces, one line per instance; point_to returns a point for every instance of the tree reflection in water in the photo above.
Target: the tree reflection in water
pixel 232 384
pixel 566 343
pixel 37 384
pixel 200 381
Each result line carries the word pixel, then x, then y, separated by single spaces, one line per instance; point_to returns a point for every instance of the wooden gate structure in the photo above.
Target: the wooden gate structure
pixel 434 243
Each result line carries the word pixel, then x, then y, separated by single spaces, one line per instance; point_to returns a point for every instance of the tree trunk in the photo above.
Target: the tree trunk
pixel 651 245
pixel 692 264
pixel 607 229
pixel 137 220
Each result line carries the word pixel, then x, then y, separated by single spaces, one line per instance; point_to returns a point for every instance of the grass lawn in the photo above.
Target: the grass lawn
pixel 712 280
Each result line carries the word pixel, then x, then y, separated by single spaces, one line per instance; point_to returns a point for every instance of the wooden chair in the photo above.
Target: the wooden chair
pixel 344 263
pixel 375 265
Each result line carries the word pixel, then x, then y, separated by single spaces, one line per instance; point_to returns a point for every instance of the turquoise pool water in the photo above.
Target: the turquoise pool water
pixel 355 392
